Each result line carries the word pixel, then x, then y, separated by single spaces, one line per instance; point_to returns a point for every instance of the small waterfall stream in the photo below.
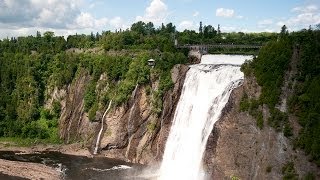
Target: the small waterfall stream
pixel 101 129
pixel 205 92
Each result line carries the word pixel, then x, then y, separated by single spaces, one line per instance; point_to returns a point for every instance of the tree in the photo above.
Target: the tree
pixel 38 34
pixel 170 28
pixel 219 32
pixel 284 31
pixel 150 28
pixel 139 27
pixel 200 28
pixel 49 34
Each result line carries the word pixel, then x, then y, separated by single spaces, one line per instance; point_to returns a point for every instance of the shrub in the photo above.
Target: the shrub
pixel 289 172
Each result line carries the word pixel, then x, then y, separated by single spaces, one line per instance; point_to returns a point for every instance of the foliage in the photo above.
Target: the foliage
pixel 151 126
pixel 32 66
pixel 309 176
pixel 305 102
pixel 289 172
pixel 252 106
pixel 269 169
pixel 92 112
pixel 233 177
pixel 269 69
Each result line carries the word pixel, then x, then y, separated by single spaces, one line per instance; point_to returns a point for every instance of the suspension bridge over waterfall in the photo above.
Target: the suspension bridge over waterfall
pixel 198 49
pixel 206 47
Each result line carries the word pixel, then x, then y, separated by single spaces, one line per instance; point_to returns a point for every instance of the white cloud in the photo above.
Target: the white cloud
pixel 118 23
pixel 280 23
pixel 222 12
pixel 195 14
pixel 86 20
pixel 27 13
pixel 239 17
pixel 269 30
pixel 64 17
pixel 228 28
pixel 156 12
pixel 306 9
pixel 234 29
pixel 305 16
pixel 186 25
pixel 304 19
pixel 265 22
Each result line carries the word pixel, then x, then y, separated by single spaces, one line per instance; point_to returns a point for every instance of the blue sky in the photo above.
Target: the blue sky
pixel 64 17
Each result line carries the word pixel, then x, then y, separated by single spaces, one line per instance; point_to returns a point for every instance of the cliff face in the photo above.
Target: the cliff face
pixel 131 132
pixel 74 124
pixel 238 148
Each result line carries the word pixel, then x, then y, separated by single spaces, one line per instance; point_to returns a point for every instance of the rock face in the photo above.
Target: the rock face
pixel 74 124
pixel 133 132
pixel 238 148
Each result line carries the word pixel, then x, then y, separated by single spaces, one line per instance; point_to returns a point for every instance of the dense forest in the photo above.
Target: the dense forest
pixel 270 68
pixel 32 66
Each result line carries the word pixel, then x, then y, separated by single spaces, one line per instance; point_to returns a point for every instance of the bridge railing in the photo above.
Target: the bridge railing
pixel 241 46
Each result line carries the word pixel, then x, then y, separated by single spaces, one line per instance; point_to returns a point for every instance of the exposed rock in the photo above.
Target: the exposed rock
pixel 237 147
pixel 74 123
pixel 28 170
pixel 133 133
pixel 194 56
pixel 289 80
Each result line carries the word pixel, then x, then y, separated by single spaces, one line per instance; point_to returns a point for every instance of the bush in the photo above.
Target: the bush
pixel 309 176
pixel 244 103
pixel 278 119
pixel 289 172
pixel 90 96
pixel 269 169
pixel 92 112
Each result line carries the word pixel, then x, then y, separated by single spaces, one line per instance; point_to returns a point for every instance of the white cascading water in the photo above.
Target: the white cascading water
pixel 205 92
pixel 101 129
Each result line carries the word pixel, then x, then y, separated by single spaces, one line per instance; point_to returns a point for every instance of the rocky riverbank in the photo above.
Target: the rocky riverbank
pixel 28 170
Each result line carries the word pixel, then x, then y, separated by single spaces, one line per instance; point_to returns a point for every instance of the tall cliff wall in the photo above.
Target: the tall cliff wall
pixel 236 146
pixel 132 132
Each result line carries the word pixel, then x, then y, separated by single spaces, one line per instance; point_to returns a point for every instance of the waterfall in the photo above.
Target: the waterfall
pixel 101 129
pixel 205 92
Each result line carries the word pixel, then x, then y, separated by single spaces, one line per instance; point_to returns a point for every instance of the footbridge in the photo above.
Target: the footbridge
pixel 206 47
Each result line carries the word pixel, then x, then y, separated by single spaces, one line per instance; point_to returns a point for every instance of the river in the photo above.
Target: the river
pixel 77 167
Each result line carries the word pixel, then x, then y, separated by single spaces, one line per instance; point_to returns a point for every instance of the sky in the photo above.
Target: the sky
pixel 65 17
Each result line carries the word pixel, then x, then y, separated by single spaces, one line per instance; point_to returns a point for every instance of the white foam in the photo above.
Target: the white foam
pixel 205 92
pixel 120 167
pixel 225 59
